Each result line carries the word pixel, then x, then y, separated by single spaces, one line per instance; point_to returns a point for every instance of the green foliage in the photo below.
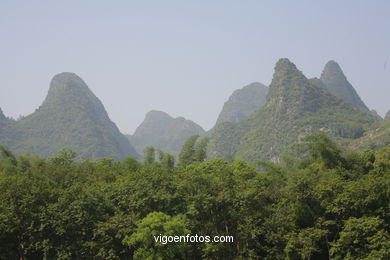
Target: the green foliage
pixel 193 151
pixel 304 244
pixel 7 159
pixel 8 155
pixel 362 238
pixel 326 204
pixel 153 225
pixel 382 161
pixel 378 136
pixel 167 160
pixel 65 157
pixel 200 153
pixel 321 148
pixel 187 152
pixel 150 154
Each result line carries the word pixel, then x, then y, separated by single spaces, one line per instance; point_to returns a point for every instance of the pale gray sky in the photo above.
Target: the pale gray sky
pixel 185 57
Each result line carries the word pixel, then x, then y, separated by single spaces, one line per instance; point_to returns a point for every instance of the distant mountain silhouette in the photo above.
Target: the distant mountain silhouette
pixel 335 81
pixel 163 132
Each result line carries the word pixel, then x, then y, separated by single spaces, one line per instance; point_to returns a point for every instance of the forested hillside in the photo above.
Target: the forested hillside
pixel 71 117
pixel 295 107
pixel 323 203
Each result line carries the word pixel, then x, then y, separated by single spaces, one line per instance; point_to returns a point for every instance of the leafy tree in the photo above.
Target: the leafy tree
pixel 150 155
pixel 382 160
pixel 200 150
pixel 130 164
pixel 362 238
pixel 168 161
pixel 108 237
pixel 187 152
pixel 23 198
pixel 65 157
pixel 7 154
pixel 305 244
pixel 153 225
pixel 301 208
pixel 322 148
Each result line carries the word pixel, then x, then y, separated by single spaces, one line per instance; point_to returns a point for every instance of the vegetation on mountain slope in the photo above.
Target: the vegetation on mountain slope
pixel 295 108
pixel 377 137
pixel 71 117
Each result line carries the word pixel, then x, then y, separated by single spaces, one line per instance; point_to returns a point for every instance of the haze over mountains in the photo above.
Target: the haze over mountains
pixel 256 122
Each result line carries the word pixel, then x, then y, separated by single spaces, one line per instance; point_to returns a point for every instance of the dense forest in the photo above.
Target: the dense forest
pixel 325 202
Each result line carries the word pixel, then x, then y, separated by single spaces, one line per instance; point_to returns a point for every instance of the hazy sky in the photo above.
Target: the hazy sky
pixel 185 57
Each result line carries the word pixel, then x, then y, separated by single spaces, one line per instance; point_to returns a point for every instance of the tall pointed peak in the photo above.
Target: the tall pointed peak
pixel 336 82
pixel 285 71
pixel 332 69
pixel 284 66
pixel 287 80
pixel 71 117
pixel 68 88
